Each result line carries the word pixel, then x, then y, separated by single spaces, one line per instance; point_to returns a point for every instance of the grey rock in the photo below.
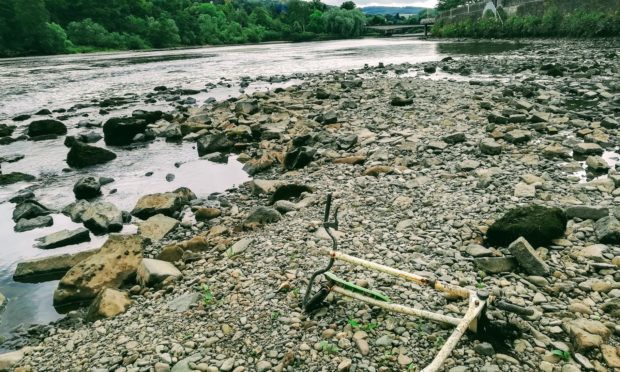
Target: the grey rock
pixel 239 247
pixel 586 148
pixel 87 188
pixel 608 230
pixel 484 348
pixel 151 272
pixel 29 209
pixel 183 302
pixel 527 258
pixel 262 215
pixel 33 223
pixel 476 250
pixel 495 265
pixel 489 146
pixel 586 212
pixel 102 218
pixel 518 136
pixel 63 238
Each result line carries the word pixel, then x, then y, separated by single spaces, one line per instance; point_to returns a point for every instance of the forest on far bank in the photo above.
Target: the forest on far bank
pixel 31 27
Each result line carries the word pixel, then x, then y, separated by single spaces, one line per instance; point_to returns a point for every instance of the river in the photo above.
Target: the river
pixel 60 82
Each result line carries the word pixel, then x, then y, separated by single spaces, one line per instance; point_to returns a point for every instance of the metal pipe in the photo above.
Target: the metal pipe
pixel 475 307
pixel 440 318
pixel 451 290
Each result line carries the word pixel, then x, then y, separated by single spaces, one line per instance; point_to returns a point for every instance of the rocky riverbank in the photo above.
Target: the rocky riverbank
pixel 423 169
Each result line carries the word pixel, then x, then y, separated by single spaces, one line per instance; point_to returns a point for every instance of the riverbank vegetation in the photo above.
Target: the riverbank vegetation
pixel 30 27
pixel 552 23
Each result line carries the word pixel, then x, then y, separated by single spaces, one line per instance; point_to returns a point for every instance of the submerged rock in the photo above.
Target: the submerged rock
pixel 14 177
pixel 116 262
pixel 82 155
pixel 63 238
pixel 537 224
pixel 121 131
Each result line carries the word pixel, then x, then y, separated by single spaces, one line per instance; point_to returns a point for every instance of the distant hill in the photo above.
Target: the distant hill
pixel 382 10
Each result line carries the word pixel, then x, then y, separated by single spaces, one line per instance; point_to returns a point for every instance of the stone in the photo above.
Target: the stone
pixel 3 301
pixel 263 366
pixel 586 212
pixel 183 302
pixel 609 123
pixel 102 218
pixel 11 359
pixel 376 170
pixel 484 348
pixel 468 165
pixel 597 163
pixel 289 191
pixel 586 148
pixel 121 131
pixel 151 272
pixel 64 237
pixel 29 209
pixel 161 203
pixel 6 130
pixel 15 177
pixel 284 206
pixel 399 100
pixel 113 264
pixel 87 188
pixel 247 107
pixel 518 136
pixel 537 224
pixel 46 127
pixel 523 190
pixel 455 138
pixel 48 268
pixel 259 186
pixel 437 145
pixel 82 155
pixel 527 257
pixel 611 354
pixel 298 158
pixel 90 137
pixel 586 334
pixel 239 247
pixel 108 304
pixel 214 143
pixel 344 365
pixel 607 230
pixel 262 215
pixel 157 227
pixel 206 214
pixel 476 250
pixel 495 265
pixel 33 223
pixel 351 160
pixel 594 252
pixel 556 151
pixel 612 307
pixel 489 146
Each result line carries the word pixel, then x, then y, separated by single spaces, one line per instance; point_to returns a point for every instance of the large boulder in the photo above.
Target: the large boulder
pixel 218 142
pixel 87 188
pixel 298 158
pixel 102 218
pixel 116 262
pixel 64 237
pixel 14 177
pixel 167 203
pixel 537 224
pixel 46 127
pixel 121 131
pixel 49 268
pixel 82 155
pixel 108 303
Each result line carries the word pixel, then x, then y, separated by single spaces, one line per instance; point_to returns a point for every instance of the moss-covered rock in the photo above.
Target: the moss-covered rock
pixel 537 224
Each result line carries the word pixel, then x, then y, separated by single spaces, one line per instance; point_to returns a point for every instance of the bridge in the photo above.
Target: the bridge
pixel 389 30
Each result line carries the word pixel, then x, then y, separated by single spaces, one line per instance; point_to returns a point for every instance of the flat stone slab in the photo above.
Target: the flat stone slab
pixel 63 238
pixel 157 227
pixel 48 268
pixel 183 302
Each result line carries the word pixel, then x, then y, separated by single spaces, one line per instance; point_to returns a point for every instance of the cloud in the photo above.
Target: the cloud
pixel 362 3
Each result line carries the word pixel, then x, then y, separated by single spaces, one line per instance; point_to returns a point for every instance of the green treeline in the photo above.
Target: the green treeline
pixel 62 26
pixel 553 22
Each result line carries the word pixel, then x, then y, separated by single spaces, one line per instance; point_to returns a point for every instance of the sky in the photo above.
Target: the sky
pixel 362 3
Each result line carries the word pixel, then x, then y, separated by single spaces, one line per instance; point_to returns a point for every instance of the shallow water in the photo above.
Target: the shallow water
pixel 30 84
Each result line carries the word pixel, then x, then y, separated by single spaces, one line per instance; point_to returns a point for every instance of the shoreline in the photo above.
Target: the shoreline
pixel 418 192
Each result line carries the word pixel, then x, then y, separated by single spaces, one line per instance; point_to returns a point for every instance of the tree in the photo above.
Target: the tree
pixel 348 5
pixel 443 5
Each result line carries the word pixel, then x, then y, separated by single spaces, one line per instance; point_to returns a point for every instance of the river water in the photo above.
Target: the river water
pixel 59 82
